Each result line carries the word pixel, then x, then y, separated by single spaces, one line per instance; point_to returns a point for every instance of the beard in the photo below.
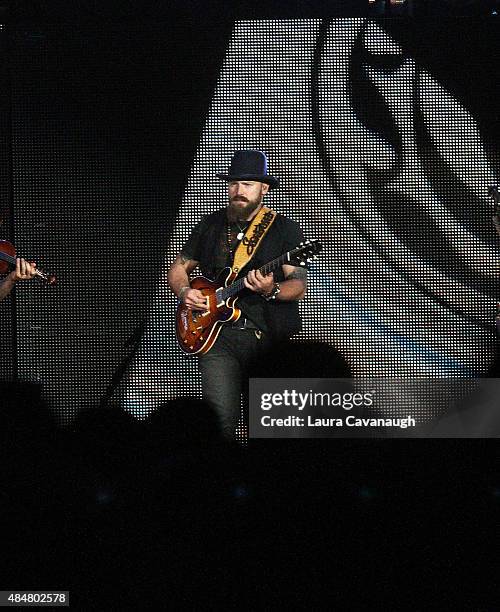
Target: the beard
pixel 239 209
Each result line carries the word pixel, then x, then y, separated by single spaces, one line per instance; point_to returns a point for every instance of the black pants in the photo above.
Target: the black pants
pixel 224 369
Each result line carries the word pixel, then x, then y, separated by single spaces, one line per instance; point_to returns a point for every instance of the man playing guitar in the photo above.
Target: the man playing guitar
pixel 268 302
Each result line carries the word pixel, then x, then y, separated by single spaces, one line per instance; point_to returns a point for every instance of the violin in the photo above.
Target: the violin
pixel 8 257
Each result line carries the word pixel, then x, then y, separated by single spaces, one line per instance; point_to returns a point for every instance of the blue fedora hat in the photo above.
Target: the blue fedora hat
pixel 249 165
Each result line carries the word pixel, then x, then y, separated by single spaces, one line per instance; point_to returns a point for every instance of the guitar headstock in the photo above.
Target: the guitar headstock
pixel 305 252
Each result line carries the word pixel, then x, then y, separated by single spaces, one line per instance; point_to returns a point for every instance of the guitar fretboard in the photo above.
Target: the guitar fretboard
pixel 238 285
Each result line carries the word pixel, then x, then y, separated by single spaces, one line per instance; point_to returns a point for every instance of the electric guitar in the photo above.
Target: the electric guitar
pixel 197 330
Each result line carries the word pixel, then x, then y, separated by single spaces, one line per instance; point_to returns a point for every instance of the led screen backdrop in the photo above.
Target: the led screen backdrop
pixel 381 155
pixel 99 164
pixel 6 314
pixel 383 165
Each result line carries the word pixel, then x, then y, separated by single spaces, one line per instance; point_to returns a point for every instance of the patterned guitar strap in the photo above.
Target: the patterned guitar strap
pixel 250 242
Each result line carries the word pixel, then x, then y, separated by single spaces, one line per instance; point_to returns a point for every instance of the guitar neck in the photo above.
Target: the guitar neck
pixel 238 285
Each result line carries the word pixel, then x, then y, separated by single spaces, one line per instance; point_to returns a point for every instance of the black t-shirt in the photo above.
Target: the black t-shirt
pixel 213 242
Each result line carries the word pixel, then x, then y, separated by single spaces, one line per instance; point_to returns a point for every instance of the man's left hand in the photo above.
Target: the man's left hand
pixel 24 270
pixel 256 281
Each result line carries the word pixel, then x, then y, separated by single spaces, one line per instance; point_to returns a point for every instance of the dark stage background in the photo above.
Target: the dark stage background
pixel 383 133
pixel 104 126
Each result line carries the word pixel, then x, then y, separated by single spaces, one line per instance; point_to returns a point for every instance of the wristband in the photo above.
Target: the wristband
pixel 274 292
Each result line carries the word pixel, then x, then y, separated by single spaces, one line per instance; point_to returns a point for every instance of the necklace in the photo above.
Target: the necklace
pixel 239 236
pixel 242 231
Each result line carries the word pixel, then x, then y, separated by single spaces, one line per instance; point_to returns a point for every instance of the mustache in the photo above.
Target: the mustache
pixel 239 199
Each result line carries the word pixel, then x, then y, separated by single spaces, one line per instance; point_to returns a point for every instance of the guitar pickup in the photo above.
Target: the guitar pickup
pixel 218 295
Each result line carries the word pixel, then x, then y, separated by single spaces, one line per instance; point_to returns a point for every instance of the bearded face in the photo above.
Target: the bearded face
pixel 245 197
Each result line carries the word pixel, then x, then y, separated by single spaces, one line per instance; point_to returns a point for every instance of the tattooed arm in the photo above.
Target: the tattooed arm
pixel 178 280
pixel 295 284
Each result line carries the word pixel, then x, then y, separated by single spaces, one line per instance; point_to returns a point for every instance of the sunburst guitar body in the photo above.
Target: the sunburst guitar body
pixel 198 330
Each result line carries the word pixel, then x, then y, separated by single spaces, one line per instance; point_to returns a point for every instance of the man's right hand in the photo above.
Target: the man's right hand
pixel 194 299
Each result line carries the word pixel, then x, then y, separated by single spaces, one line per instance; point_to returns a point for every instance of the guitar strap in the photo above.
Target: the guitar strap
pixel 257 229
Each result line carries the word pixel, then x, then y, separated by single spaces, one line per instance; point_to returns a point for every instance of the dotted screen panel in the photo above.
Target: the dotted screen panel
pixel 8 352
pixel 89 173
pixel 376 158
pixel 383 165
